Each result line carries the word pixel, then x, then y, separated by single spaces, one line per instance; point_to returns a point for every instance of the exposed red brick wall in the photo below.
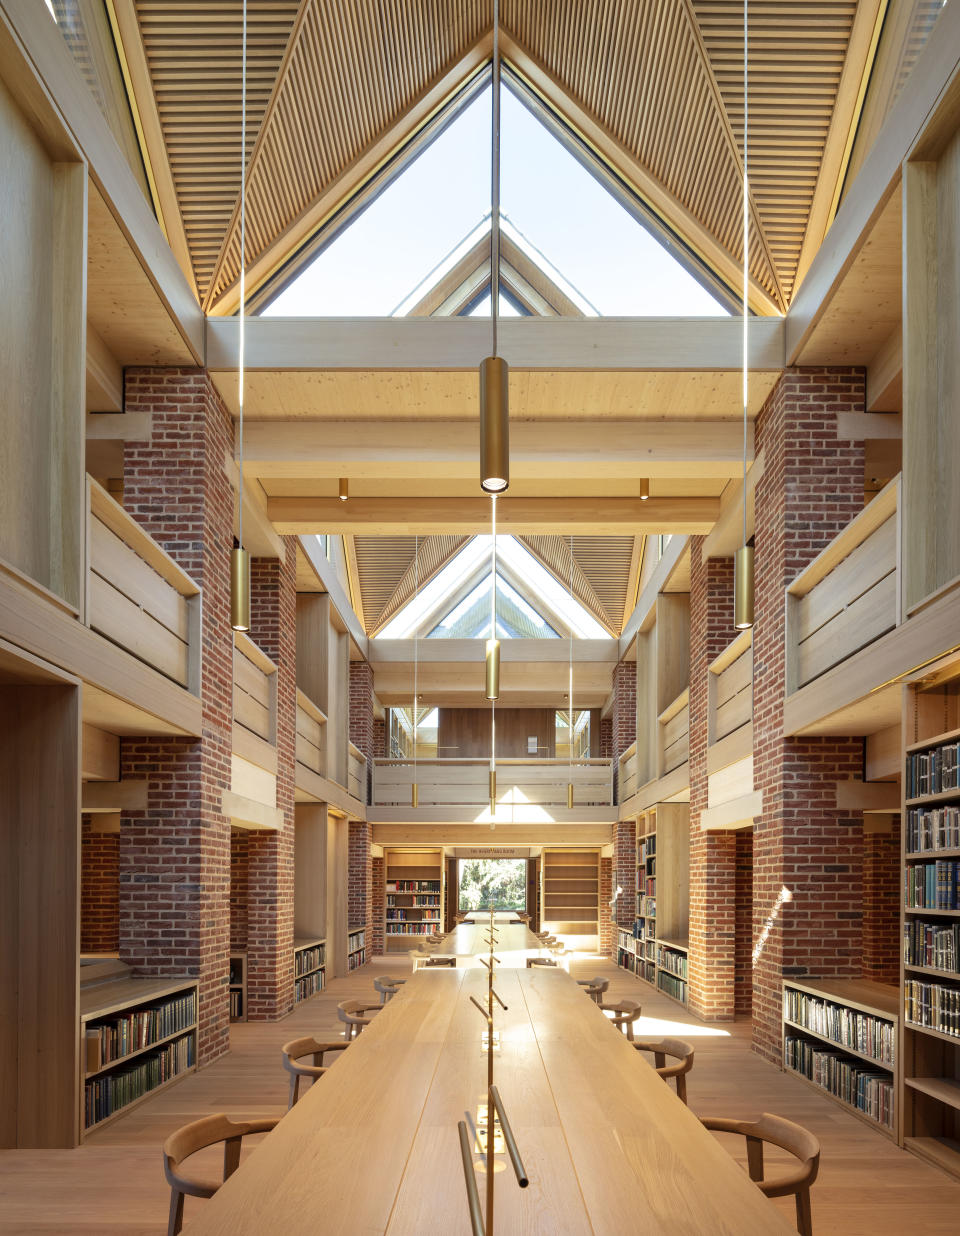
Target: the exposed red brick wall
pixel 378 904
pixel 623 714
pixel 743 979
pixel 360 876
pixel 713 893
pixel 608 933
pixel 881 900
pixel 625 869
pixel 239 863
pixel 379 739
pixel 175 855
pixel 99 890
pixel 361 707
pixel 273 627
pixel 606 738
pixel 804 848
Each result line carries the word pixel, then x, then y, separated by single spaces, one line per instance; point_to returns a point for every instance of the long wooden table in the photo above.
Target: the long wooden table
pixel 373 1146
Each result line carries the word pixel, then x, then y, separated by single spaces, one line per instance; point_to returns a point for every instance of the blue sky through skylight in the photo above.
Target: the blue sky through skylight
pixel 425 213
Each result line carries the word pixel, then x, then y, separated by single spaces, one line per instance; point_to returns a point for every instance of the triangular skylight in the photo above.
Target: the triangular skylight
pixel 411 232
pixel 531 603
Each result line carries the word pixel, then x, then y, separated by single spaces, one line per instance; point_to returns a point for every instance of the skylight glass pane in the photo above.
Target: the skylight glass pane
pixel 413 233
pixel 482 308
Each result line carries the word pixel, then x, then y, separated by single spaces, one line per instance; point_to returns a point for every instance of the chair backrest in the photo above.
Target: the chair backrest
pixel 208 1131
pixel 676 1049
pixel 385 985
pixel 296 1049
pixel 793 1138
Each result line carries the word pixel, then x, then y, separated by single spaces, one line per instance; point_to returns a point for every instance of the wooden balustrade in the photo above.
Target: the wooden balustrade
pixel 254 689
pixel 311 736
pixel 730 688
pixel 449 783
pixel 136 595
pixel 849 595
pixel 357 773
pixel 673 734
pixel 627 774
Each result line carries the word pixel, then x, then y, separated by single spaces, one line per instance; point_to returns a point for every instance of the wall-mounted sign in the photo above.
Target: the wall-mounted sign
pixel 492 851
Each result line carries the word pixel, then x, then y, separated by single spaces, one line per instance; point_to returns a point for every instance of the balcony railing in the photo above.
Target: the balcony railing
pixel 673 726
pixel 730 689
pixel 137 596
pixel 311 736
pixel 627 774
pixel 254 689
pixel 465 783
pixel 849 595
pixel 357 773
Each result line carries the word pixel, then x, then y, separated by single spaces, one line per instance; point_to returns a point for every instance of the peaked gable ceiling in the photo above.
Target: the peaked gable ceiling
pixel 336 86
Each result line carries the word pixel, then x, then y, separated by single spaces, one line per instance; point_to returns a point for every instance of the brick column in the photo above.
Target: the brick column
pixel 361 707
pixel 713 894
pixel 361 896
pixel 273 628
pixel 360 879
pixel 239 871
pixel 378 903
pixel 807 855
pixel 881 891
pixel 99 870
pixel 623 714
pixel 608 935
pixel 625 871
pixel 175 855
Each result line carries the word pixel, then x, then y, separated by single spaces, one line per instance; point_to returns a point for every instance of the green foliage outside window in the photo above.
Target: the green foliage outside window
pixel 500 880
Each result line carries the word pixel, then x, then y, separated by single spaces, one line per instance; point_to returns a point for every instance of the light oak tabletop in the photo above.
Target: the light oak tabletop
pixel 373 1146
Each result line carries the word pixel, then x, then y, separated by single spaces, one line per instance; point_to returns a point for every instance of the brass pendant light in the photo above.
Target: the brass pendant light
pixel 494 371
pixel 239 558
pixel 743 591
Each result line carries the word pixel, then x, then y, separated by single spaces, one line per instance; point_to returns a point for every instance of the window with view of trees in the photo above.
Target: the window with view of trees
pixel 501 882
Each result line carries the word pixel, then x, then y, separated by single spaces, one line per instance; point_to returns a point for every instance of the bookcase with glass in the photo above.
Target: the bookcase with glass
pixel 663 900
pixel 413 904
pixel 931 918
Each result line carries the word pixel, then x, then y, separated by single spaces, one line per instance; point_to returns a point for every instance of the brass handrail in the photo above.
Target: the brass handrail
pixel 470 1180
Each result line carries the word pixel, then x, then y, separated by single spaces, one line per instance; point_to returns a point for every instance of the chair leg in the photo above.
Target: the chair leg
pixel 755 1158
pixel 231 1156
pixel 804 1216
pixel 294 1089
pixel 176 1213
pixel 682 1087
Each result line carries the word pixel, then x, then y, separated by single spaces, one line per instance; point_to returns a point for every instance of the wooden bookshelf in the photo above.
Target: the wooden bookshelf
pixel 842 1036
pixel 930 975
pixel 663 900
pixel 171 1052
pixel 356 948
pixel 413 902
pixel 238 986
pixel 309 968
pixel 570 896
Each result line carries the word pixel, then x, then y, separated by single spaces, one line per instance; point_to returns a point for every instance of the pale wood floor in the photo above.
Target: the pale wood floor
pixel 114 1182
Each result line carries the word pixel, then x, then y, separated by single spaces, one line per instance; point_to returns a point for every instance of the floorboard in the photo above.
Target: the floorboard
pixel 114 1183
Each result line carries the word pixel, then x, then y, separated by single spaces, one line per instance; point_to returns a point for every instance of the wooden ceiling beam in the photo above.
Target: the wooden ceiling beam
pixel 656 344
pixel 410 515
pixel 311 449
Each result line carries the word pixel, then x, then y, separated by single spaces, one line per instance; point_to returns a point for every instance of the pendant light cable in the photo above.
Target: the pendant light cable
pixel 495 183
pixel 743 590
pixel 415 797
pixel 570 691
pixel 239 558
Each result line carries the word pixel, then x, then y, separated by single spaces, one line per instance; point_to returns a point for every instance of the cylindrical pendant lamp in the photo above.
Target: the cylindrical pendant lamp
pixel 494 425
pixel 743 588
pixel 240 589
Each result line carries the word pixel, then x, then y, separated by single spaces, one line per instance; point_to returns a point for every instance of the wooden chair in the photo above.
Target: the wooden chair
pixel 295 1051
pixel 351 1013
pixel 594 987
pixel 198 1136
pixel 441 961
pixel 625 1013
pixel 794 1138
pixel 677 1050
pixel 540 961
pixel 387 987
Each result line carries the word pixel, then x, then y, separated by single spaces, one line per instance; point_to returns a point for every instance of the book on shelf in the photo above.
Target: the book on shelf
pixel 309 985
pixel 933 772
pixel 859 1087
pixel 672 961
pixel 933 828
pixel 236 1005
pixel 308 959
pixel 413 886
pixel 847 1027
pixel 932 886
pixel 932 1005
pixel 106 1095
pixel 110 1039
pixel 672 985
pixel 934 945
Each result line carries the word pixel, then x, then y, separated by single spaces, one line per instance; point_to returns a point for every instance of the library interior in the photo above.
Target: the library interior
pixel 479 617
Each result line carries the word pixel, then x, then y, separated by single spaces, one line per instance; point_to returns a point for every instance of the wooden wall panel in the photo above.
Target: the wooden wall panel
pixel 310 871
pixel 464 733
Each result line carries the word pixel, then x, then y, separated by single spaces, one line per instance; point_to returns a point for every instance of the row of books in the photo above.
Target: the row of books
pixel 870 1093
pixel 356 960
pixel 646 970
pixel 415 899
pixel 627 959
pixel 933 828
pixel 932 772
pixel 931 944
pixel 116 1037
pixel 675 963
pixel 308 986
pixel 106 1095
pixel 869 1035
pixel 933 1005
pixel 236 1006
pixel 413 886
pixel 672 985
pixel 933 886
pixel 649 887
pixel 627 940
pixel 356 940
pixel 647 848
pixel 399 916
pixel 422 927
pixel 309 959
pixel 646 906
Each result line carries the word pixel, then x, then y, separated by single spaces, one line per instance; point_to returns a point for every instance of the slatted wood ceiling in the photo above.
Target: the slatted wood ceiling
pixel 661 77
